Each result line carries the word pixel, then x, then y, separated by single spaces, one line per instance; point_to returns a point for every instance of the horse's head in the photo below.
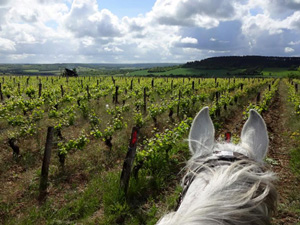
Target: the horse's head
pixel 226 183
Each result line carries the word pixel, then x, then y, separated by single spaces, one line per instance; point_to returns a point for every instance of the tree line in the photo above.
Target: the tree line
pixel 227 62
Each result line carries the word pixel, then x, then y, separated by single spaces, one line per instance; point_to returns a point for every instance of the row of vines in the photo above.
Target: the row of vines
pixel 97 114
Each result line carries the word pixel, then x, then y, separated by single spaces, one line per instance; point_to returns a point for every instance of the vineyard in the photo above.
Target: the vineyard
pixel 64 142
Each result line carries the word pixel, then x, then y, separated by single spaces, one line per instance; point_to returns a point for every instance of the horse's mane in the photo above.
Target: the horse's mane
pixel 238 192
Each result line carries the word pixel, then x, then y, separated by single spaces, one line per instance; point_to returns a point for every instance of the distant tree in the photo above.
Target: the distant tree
pixel 70 73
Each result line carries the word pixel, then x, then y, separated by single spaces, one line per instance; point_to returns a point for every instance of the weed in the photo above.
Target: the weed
pixel 295 161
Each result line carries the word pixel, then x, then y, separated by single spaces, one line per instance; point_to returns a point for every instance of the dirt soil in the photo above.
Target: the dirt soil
pixel 280 144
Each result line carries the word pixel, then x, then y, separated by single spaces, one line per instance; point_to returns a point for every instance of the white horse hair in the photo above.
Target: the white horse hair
pixel 226 183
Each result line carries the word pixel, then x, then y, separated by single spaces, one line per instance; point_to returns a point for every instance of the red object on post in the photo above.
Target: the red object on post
pixel 228 137
pixel 133 138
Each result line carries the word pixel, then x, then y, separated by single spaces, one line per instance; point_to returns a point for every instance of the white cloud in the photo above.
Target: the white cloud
pixel 294 42
pixel 88 41
pixel 113 49
pixel 293 21
pixel 218 52
pixel 85 19
pixel 253 25
pixel 289 50
pixel 198 13
pixel 17 57
pixel 189 40
pixel 7 45
pixel 276 9
pixel 135 24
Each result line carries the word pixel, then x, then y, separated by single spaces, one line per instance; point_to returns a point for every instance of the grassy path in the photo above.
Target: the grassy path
pixel 278 119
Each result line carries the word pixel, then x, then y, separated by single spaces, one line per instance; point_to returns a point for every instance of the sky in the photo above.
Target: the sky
pixel 145 31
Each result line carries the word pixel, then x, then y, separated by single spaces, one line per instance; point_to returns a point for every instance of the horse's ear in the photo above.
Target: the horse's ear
pixel 202 134
pixel 255 136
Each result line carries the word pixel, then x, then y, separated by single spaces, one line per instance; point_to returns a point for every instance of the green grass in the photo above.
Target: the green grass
pixel 295 161
pixel 182 72
pixel 31 71
pixel 281 72
pixel 273 72
pixel 79 208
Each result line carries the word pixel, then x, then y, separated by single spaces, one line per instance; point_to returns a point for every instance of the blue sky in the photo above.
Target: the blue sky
pixel 138 31
pixel 130 8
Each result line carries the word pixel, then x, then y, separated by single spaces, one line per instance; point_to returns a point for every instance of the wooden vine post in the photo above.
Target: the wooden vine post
pixel 116 95
pixel 15 148
pixel 258 98
pixel 1 93
pixel 145 99
pixel 131 84
pixel 19 89
pixel 40 90
pixel 178 104
pixel 46 163
pixel 296 87
pixel 62 90
pixel 218 110
pixel 217 96
pixel 129 160
pixel 88 92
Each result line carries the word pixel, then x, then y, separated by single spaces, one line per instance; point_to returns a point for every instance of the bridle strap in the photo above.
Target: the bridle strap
pixel 222 156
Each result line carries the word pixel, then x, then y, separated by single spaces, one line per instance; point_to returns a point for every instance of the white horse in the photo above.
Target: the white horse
pixel 226 183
